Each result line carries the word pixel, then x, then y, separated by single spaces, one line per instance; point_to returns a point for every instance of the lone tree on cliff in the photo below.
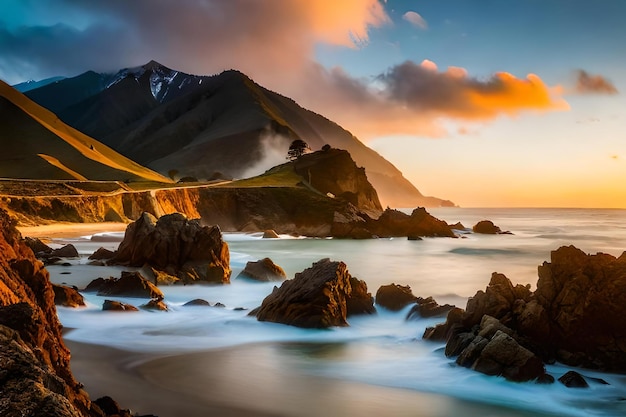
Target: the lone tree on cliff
pixel 297 148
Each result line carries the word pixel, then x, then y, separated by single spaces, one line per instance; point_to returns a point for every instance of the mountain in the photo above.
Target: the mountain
pixel 32 84
pixel 37 145
pixel 201 125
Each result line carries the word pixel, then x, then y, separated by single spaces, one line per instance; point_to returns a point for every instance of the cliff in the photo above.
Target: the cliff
pixel 35 373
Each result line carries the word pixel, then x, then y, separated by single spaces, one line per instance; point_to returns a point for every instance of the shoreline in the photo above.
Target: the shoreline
pixel 242 381
pixel 70 230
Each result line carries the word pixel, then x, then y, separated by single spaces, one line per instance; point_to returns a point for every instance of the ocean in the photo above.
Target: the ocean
pixel 377 366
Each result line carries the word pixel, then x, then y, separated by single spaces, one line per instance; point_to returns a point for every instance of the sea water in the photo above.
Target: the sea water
pixel 382 349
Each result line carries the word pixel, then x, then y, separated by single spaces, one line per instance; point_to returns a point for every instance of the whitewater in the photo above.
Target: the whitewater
pixel 382 350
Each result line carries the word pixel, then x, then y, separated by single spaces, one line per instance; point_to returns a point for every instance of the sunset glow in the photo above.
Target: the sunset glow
pixel 506 105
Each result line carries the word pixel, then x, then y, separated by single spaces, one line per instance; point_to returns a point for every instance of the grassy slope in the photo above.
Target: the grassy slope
pixel 90 149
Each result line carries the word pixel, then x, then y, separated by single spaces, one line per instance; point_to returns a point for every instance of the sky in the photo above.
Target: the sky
pixel 488 103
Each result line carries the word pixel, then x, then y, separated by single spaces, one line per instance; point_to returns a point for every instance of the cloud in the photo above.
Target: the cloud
pixel 412 98
pixel 593 84
pixel 262 38
pixel 274 43
pixel 415 19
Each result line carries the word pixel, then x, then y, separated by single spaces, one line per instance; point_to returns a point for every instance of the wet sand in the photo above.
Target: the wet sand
pixel 70 230
pixel 247 381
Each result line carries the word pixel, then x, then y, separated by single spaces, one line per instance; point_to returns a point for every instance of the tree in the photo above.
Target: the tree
pixel 297 148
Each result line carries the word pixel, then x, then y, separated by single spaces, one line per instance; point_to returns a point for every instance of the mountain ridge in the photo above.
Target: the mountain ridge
pixel 226 123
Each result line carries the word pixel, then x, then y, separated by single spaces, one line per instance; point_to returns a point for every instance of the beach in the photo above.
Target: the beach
pixel 70 230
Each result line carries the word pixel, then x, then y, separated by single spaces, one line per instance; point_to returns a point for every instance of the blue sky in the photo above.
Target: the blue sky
pixel 555 138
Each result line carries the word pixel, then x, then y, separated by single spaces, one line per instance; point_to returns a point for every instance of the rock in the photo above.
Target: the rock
pixel 263 271
pixel 159 278
pixel 504 356
pixel 220 305
pixel 96 263
pixel 457 226
pixel 428 307
pixel 67 251
pixel 111 305
pixel 412 237
pixel 486 227
pixel 155 304
pixel 67 296
pixel 394 297
pixel 573 379
pixel 197 302
pixel 419 223
pixel 102 253
pixel 318 297
pixel 443 331
pixel 270 234
pixel 35 373
pixel 130 284
pixel 178 246
pixel 37 246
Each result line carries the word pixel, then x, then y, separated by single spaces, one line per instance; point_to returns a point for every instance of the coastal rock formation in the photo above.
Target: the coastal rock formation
pixel 112 305
pixel 334 171
pixel 568 318
pixel 394 297
pixel 67 251
pixel 67 296
pixel 428 307
pixel 177 246
pixel 486 227
pixel 270 234
pixel 130 284
pixel 37 246
pixel 418 223
pixel 35 370
pixel 102 254
pixel 321 296
pixel 264 270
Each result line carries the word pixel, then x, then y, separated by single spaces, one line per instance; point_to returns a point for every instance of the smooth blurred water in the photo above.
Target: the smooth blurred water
pixel 383 349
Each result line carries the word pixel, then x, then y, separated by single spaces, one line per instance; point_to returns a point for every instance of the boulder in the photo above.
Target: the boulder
pixel 394 297
pixel 67 251
pixel 67 296
pixel 418 223
pixel 573 379
pixel 264 270
pixel 270 234
pixel 159 278
pixel 130 284
pixel 502 355
pixel 486 227
pixel 443 331
pixel 102 253
pixel 155 304
pixel 37 246
pixel 197 302
pixel 321 296
pixel 178 246
pixel 112 305
pixel 428 307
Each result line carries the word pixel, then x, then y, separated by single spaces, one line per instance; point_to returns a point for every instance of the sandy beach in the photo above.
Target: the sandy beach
pixel 243 382
pixel 70 230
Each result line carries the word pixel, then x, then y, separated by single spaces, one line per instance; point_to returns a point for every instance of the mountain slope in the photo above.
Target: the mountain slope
pixel 168 120
pixel 32 84
pixel 37 145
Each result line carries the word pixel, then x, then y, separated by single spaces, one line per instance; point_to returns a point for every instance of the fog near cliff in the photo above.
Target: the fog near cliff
pixel 274 149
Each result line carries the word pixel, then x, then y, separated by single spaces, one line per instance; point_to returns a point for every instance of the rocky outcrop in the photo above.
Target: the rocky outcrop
pixel 418 223
pixel 334 172
pixel 102 254
pixel 568 318
pixel 177 246
pixel 486 227
pixel 428 307
pixel 130 284
pixel 67 251
pixel 270 234
pixel 35 373
pixel 112 305
pixel 264 270
pixel 37 246
pixel 67 296
pixel 394 297
pixel 321 296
